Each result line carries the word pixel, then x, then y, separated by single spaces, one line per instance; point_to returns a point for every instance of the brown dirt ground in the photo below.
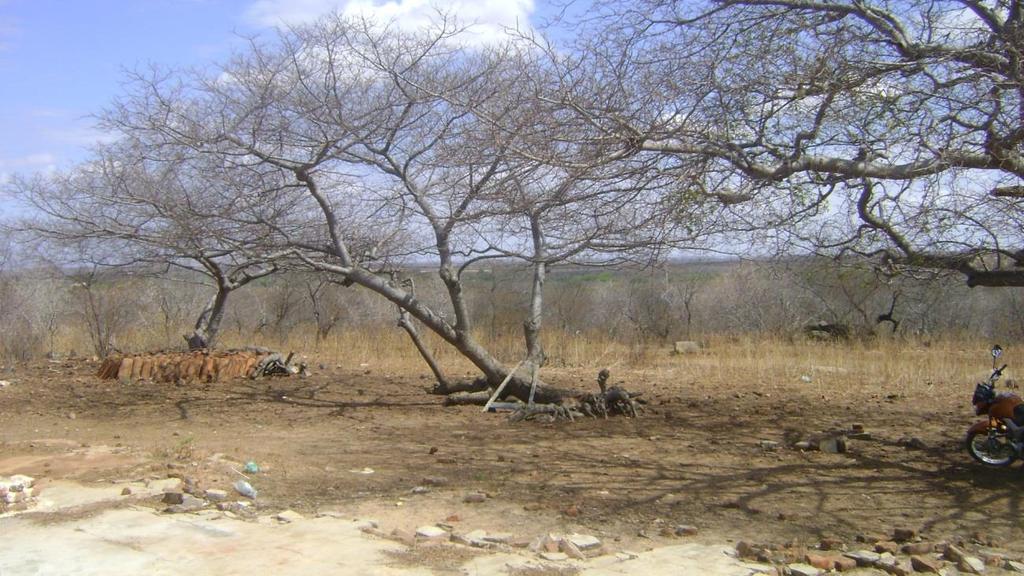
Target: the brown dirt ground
pixel 692 458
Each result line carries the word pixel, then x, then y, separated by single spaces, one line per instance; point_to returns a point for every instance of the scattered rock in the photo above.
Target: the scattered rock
pixel 215 495
pixel 404 536
pixel 520 542
pixel 191 486
pixel 886 559
pixel 843 564
pixel 571 550
pixel 917 548
pixel 924 564
pixel 912 443
pixel 17 483
pixel 126 491
pixel 769 445
pixel 476 538
pixel 435 480
pixel 833 445
pixel 820 561
pixel 432 533
pixel 474 498
pixel 803 570
pixel 904 534
pixel 896 568
pixel 971 565
pixel 831 544
pixel 420 490
pixel 241 508
pixel 803 445
pixel 857 427
pixel 953 554
pixel 1014 566
pixel 887 546
pixel 189 503
pixel 19 497
pixel 173 498
pixel 864 557
pixel 554 556
pixel 745 550
pixel 499 538
pixel 685 530
pixel 288 516
pixel 550 543
pixel 584 541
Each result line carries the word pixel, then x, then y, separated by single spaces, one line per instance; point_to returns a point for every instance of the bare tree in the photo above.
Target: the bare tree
pixel 410 147
pixel 893 128
pixel 121 210
pixel 326 312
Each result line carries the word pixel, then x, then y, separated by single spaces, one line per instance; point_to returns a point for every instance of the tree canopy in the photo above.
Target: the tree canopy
pixel 888 128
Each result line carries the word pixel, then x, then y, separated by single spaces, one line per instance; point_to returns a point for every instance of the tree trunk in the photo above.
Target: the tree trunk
pixel 406 323
pixel 533 324
pixel 463 341
pixel 204 335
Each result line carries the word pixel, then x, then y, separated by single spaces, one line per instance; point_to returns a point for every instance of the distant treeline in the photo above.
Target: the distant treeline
pixel 91 313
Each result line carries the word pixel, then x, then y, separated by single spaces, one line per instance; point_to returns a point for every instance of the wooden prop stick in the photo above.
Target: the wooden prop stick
pixel 502 386
pixel 533 384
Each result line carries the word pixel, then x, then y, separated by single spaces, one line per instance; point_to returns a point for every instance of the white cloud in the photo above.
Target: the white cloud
pixel 278 12
pixel 487 17
pixel 38 162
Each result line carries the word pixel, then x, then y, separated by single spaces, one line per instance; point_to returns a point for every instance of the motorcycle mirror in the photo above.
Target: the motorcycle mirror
pixel 997 351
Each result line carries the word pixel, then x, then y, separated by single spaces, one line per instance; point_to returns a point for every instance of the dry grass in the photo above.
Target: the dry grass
pixel 763 364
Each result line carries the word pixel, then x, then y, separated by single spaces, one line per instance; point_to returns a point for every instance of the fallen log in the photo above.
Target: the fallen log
pixel 467 398
pixel 475 385
pixel 519 388
pixel 548 412
pixel 555 403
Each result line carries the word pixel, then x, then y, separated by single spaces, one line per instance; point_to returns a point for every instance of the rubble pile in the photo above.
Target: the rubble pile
pixel 198 366
pixel 17 493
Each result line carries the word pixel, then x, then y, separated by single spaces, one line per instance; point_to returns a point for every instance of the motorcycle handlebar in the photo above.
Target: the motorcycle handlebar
pixel 999 372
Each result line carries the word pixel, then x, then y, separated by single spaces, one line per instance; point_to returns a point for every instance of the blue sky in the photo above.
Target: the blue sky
pixel 62 60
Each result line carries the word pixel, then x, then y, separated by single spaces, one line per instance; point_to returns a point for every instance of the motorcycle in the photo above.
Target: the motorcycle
pixel 999 439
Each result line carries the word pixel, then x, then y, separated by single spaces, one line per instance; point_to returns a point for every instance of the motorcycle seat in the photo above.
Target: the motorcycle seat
pixel 1018 415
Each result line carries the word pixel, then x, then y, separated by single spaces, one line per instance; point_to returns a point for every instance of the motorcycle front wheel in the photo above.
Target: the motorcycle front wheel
pixel 991 449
